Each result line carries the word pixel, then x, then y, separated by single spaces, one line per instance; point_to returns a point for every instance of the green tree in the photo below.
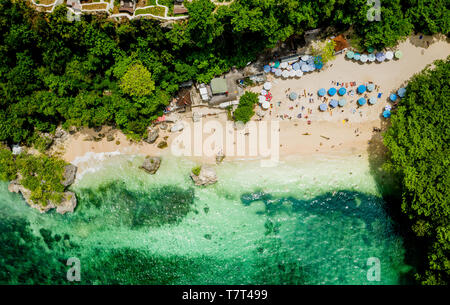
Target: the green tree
pixel 137 81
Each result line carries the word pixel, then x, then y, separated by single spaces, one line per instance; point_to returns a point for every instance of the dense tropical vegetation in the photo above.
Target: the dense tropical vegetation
pixel 244 110
pixel 97 71
pixel 419 146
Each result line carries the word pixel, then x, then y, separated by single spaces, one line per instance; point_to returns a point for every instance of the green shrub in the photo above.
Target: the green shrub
pixel 196 170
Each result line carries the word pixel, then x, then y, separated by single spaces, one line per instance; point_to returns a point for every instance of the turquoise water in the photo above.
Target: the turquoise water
pixel 302 222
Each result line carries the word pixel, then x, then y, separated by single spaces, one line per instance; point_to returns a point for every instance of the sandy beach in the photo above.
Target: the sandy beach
pixel 344 130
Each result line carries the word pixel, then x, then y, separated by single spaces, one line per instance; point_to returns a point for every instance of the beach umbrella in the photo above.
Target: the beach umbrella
pixel 276 65
pixel 342 102
pixel 387 107
pixel 370 49
pixel 312 67
pixel 319 66
pixel 332 91
pixel 342 91
pixel 380 56
pixel 267 68
pixel 323 107
pixel 278 72
pixel 364 58
pixel 361 89
pixel 401 92
pixel 292 73
pixel 298 73
pixel 322 92
pixel 386 113
pixel 285 73
pixel 267 85
pixel 305 57
pixel 283 65
pixel 274 70
pixel 370 87
pixel 389 55
pixel 265 105
pixel 371 57
pixel 393 97
pixel 357 56
pixel 350 54
pixel 398 54
pixel 372 100
pixel 263 92
pixel 304 68
pixel 296 66
pixel 333 103
pixel 261 99
pixel 361 101
pixel 293 96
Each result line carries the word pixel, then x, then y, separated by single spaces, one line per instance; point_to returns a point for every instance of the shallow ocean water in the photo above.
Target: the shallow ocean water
pixel 314 221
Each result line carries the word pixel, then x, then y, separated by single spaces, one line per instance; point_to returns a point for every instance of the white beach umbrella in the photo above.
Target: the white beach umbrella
pixel 267 85
pixel 285 73
pixel 261 99
pixel 263 92
pixel 363 58
pixel 389 55
pixel 292 73
pixel 265 105
pixel 298 73
pixel 283 65
pixel 278 72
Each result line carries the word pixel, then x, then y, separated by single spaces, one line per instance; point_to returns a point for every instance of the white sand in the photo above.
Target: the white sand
pixel 351 137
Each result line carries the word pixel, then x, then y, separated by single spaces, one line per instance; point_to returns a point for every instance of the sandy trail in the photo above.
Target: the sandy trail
pixel 327 132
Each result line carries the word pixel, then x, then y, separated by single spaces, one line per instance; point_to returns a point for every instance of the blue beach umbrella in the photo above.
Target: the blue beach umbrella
pixel 304 68
pixel 323 107
pixel 371 57
pixel 273 70
pixel 332 91
pixel 333 103
pixel 361 101
pixel 401 92
pixel 386 113
pixel 380 56
pixel 342 91
pixel 372 100
pixel 342 102
pixel 370 87
pixel 277 64
pixel 322 92
pixel 350 54
pixel 393 97
pixel 293 96
pixel 296 66
pixel 357 56
pixel 361 89
pixel 267 68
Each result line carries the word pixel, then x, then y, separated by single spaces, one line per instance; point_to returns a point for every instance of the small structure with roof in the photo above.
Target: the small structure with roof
pixel 127 6
pixel 341 44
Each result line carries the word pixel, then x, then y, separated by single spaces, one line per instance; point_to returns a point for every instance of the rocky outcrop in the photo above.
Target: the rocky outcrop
pixel 152 135
pixel 177 127
pixel 219 157
pixel 207 176
pixel 151 164
pixel 70 172
pixel 68 203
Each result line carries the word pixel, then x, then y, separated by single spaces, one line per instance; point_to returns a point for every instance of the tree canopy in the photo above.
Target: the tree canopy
pixel 419 144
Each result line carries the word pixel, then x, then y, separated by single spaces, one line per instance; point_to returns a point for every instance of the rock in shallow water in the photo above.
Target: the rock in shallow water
pixel 207 176
pixel 70 172
pixel 151 164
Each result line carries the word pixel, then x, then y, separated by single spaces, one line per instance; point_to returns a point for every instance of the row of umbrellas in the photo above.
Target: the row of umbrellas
pixel 332 91
pixel 342 102
pixel 265 97
pixel 380 56
pixel 306 63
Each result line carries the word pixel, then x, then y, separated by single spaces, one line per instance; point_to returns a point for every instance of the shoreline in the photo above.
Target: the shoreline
pixel 340 132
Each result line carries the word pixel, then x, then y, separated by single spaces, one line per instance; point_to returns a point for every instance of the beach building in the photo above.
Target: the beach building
pixel 224 89
pixel 184 100
pixel 127 6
